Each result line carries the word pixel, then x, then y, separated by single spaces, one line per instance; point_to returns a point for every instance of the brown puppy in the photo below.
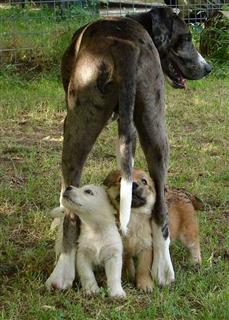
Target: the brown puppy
pixel 183 223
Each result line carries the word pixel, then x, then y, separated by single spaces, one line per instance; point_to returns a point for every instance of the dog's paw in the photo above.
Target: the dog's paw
pixel 145 284
pixel 59 282
pixel 162 269
pixel 63 274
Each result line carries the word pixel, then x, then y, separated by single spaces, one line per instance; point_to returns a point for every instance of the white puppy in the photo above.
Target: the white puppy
pixel 99 242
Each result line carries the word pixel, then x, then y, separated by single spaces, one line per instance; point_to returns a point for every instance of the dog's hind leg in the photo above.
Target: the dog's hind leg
pixel 149 121
pixel 82 126
pixel 154 143
pixel 63 274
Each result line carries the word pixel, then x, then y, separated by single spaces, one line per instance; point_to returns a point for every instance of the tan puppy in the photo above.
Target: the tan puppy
pixel 183 224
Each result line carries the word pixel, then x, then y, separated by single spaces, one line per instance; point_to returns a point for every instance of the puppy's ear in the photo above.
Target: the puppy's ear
pixel 112 178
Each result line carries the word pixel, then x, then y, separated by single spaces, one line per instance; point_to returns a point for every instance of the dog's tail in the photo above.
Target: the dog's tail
pixel 127 91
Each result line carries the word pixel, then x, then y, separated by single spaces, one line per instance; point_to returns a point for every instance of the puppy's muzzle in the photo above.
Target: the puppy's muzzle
pixel 138 199
pixel 134 186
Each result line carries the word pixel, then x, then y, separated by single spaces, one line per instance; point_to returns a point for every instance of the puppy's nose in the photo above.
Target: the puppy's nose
pixel 134 186
pixel 208 68
pixel 68 189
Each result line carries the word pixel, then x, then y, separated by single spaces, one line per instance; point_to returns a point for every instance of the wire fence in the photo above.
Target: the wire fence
pixel 27 25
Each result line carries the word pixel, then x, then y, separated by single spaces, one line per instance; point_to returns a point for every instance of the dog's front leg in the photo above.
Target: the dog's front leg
pixel 113 268
pixel 86 274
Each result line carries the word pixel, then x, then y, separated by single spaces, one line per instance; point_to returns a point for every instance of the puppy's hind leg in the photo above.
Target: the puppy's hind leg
pixel 192 243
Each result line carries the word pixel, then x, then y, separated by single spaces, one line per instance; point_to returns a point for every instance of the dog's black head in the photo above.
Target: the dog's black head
pixel 179 58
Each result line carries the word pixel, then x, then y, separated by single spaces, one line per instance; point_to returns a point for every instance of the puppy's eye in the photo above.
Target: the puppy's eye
pixel 88 191
pixel 144 181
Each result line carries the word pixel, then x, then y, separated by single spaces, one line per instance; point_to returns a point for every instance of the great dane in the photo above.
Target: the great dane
pixel 117 65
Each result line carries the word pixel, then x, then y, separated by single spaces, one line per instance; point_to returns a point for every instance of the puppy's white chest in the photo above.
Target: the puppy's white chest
pixel 98 246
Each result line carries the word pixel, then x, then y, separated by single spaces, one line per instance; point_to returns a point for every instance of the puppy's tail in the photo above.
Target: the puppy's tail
pixel 127 91
pixel 196 202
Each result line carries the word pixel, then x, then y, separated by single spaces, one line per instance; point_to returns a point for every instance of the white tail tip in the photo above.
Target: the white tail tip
pixel 125 204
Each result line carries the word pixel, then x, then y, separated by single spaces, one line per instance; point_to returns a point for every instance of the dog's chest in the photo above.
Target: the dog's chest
pixel 139 234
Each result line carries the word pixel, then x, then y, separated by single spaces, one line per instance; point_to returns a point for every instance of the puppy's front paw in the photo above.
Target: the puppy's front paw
pixel 90 289
pixel 145 284
pixel 117 293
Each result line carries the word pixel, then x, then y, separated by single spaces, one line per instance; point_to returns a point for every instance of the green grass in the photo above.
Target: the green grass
pixel 32 110
pixel 31 121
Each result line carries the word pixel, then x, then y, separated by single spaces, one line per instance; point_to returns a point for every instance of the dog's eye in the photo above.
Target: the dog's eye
pixel 144 181
pixel 88 191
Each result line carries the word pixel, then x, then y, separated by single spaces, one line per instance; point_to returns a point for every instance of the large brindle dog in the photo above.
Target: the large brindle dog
pixel 117 65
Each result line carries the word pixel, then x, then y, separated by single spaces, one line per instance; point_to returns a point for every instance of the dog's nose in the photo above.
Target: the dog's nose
pixel 208 68
pixel 66 192
pixel 134 186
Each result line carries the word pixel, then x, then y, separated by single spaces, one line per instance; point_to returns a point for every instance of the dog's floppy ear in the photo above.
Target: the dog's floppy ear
pixel 112 177
pixel 159 24
pixel 162 19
